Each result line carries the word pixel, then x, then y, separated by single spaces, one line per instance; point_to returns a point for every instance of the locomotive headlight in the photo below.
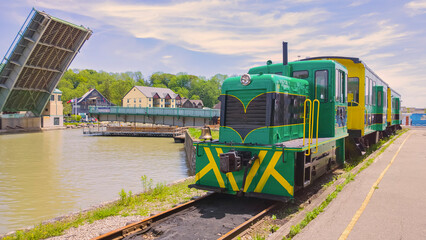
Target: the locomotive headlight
pixel 245 79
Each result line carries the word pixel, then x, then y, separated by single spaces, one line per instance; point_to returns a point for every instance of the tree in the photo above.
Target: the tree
pixel 113 86
pixel 195 97
pixel 67 108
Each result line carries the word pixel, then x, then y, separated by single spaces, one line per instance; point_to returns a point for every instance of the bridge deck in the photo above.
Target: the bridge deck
pixel 177 112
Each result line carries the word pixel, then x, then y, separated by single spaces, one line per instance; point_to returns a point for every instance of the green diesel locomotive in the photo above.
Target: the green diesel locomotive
pixel 281 127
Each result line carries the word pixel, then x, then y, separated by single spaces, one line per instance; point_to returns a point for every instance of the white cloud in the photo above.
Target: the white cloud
pixel 222 27
pixel 416 7
pixel 358 3
pixel 255 31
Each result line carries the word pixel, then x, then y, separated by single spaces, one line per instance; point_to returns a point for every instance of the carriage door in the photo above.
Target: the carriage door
pixel 379 117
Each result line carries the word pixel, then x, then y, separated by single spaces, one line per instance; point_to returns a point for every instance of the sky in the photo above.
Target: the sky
pixel 207 37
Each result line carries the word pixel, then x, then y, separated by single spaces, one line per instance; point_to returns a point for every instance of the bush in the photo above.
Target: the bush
pixel 76 118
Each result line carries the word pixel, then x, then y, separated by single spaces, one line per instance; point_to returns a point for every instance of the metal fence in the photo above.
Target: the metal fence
pixel 178 112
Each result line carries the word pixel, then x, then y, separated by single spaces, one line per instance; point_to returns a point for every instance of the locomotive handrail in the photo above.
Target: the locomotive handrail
pixel 318 108
pixel 309 124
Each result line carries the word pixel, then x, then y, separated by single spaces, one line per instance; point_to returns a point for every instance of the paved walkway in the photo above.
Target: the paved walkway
pixel 395 209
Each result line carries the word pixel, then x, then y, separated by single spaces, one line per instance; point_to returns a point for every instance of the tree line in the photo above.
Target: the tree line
pixel 113 86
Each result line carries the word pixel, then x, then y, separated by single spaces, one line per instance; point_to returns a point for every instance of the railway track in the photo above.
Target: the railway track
pixel 213 216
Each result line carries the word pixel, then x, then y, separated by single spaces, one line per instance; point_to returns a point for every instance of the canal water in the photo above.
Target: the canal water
pixel 48 174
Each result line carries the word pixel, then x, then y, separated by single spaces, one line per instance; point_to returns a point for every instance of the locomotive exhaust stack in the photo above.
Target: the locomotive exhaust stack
pixel 285 53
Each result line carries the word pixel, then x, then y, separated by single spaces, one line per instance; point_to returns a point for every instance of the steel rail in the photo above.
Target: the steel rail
pixel 245 225
pixel 147 222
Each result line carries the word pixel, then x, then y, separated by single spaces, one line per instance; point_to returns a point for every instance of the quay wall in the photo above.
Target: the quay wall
pixel 26 123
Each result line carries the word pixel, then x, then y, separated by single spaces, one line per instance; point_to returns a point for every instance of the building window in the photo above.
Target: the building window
pixel 150 99
pixel 52 98
pixel 173 100
pixel 56 121
pixel 140 105
pixel 149 105
pixel 161 105
pixel 128 100
pixel 134 100
pixel 59 97
pixel 140 100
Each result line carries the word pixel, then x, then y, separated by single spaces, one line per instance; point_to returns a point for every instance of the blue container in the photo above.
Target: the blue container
pixel 418 119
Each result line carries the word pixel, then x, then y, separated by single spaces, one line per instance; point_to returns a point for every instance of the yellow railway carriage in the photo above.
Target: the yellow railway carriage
pixel 368 98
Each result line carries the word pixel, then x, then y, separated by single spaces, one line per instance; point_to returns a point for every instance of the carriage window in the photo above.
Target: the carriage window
pixel 374 94
pixel 371 91
pixel 385 105
pixel 321 78
pixel 367 82
pixel 353 88
pixel 300 74
pixel 379 98
pixel 279 73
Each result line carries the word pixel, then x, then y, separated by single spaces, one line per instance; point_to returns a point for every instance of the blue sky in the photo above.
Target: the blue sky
pixel 218 36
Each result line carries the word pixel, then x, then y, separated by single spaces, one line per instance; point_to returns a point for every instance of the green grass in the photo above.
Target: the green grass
pixel 78 123
pixel 294 230
pixel 196 132
pixel 71 123
pixel 154 199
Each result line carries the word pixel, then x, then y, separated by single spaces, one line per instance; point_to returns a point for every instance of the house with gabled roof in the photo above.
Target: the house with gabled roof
pixel 140 96
pixel 187 103
pixel 93 97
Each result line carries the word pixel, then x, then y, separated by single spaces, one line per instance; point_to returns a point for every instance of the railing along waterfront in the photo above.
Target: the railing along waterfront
pixel 15 115
pixel 149 131
pixel 154 111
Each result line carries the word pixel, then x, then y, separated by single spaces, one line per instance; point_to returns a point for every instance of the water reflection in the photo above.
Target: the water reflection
pixel 46 174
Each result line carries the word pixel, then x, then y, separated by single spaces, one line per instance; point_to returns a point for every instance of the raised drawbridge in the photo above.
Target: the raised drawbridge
pixel 35 62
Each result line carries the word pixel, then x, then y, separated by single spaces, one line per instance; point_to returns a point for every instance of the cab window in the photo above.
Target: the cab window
pixel 300 74
pixel 321 85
